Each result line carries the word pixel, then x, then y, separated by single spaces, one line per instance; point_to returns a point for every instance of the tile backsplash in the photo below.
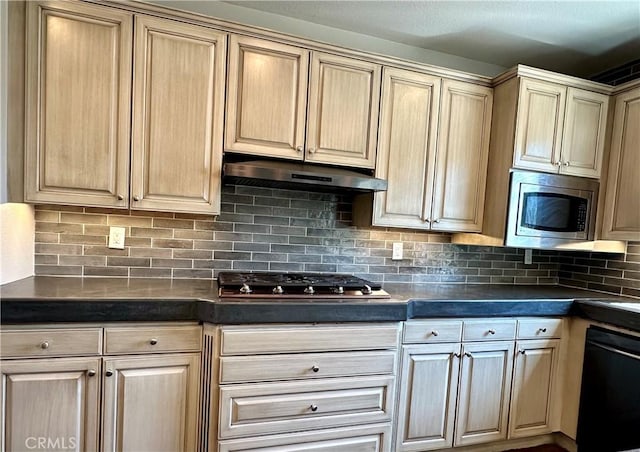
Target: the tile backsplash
pixel 263 229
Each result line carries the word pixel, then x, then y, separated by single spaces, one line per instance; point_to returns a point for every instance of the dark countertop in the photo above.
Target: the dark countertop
pixel 64 299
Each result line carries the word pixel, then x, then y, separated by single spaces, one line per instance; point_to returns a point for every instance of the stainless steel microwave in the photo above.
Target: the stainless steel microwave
pixel 550 210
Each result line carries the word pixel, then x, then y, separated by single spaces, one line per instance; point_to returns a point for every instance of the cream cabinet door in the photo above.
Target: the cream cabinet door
pixel 622 205
pixel 344 98
pixel 462 157
pixel 151 403
pixel 406 152
pixel 50 404
pixel 533 396
pixel 539 124
pixel 485 386
pixel 78 104
pixel 267 98
pixel 179 75
pixel 584 131
pixel 428 393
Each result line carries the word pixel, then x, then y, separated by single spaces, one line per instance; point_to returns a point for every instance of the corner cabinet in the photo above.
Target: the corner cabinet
pixel 271 111
pixel 80 133
pixel 179 74
pixel 622 208
pixel 78 104
pixel 560 129
pixel 433 152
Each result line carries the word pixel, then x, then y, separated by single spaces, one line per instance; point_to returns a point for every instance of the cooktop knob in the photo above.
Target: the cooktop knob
pixel 245 289
pixel 309 290
pixel 339 290
pixel 366 290
pixel 278 290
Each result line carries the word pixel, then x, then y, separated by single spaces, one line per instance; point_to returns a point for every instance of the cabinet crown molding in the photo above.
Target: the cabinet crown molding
pixel 549 76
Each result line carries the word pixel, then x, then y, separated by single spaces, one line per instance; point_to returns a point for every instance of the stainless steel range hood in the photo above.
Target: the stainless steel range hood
pixel 299 176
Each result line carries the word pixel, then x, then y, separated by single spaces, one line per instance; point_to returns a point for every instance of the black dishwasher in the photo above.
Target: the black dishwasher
pixel 609 417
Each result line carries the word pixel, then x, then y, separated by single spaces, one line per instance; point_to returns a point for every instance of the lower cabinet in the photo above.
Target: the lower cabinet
pixel 324 387
pixel 143 401
pixel 460 388
pixel 534 387
pixel 50 404
pixel 151 403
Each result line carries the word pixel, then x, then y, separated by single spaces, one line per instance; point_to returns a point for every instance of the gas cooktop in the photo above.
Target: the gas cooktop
pixel 297 285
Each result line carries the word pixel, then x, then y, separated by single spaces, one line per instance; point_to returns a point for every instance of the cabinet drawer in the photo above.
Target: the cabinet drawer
pixel 152 339
pixel 51 342
pixel 308 338
pixel 488 330
pixel 257 409
pixel 539 328
pixel 427 331
pixel 369 438
pixel 236 369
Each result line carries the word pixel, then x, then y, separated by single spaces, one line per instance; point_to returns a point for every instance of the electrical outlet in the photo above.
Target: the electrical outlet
pixel 116 237
pixel 396 255
pixel 528 253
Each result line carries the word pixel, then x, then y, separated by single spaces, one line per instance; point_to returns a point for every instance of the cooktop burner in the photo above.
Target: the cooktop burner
pixel 297 285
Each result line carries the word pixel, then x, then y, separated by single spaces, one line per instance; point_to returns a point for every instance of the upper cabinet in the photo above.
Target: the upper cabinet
pixel 80 132
pixel 433 152
pixel 267 98
pixel 559 129
pixel 179 74
pixel 344 97
pixel 78 104
pixel 272 112
pixel 621 220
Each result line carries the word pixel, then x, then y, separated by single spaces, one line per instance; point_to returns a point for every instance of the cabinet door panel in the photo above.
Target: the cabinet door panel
pixel 428 396
pixel 54 399
pixel 178 104
pixel 485 385
pixel 266 102
pixel 462 157
pixel 78 102
pixel 584 133
pixel 344 97
pixel 622 213
pixel 406 155
pixel 151 403
pixel 539 125
pixel 533 388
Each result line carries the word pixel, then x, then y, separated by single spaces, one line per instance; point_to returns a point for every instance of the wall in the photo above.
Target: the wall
pixel 267 229
pixel 330 35
pixel 16 242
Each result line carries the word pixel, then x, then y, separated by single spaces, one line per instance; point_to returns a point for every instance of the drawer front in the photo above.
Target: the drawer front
pixel 258 409
pixel 311 338
pixel 370 438
pixel 488 330
pixel 539 328
pixel 238 369
pixel 427 331
pixel 152 339
pixel 51 342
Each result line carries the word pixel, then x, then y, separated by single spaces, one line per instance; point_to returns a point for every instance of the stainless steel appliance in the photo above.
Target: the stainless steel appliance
pixel 550 210
pixel 609 415
pixel 297 286
pixel 301 176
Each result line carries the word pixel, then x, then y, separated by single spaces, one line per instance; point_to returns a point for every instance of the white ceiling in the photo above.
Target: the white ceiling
pixel 574 37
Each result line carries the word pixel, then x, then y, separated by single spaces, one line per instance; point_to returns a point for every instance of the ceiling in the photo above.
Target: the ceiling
pixel 574 37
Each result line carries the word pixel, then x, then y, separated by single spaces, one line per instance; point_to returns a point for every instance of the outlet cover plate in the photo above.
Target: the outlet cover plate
pixel 116 237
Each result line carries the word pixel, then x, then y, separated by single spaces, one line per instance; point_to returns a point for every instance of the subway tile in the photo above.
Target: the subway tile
pixel 192 234
pixel 234 236
pixel 322 268
pixel 83 239
pixel 179 273
pixel 232 255
pixel 285 267
pixel 151 232
pixel 171 263
pixel 251 246
pixel 272 220
pixel 82 218
pixel 269 257
pixel 94 261
pixel 298 249
pixel 269 238
pixel 333 259
pixel 140 222
pixel 46 259
pixel 212 245
pixel 254 228
pixel 172 243
pixel 116 261
pixel 250 265
pixel 98 229
pixel 150 272
pixel 58 270
pixel 139 242
pixel 51 248
pixel 305 258
pixel 45 215
pixel 173 223
pixel 288 230
pixel 150 252
pixel 46 237
pixel 192 254
pixel 104 251
pixel 106 271
pixel 63 228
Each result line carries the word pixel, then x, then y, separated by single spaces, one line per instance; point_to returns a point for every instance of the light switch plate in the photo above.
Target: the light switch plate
pixel 396 255
pixel 528 253
pixel 116 237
